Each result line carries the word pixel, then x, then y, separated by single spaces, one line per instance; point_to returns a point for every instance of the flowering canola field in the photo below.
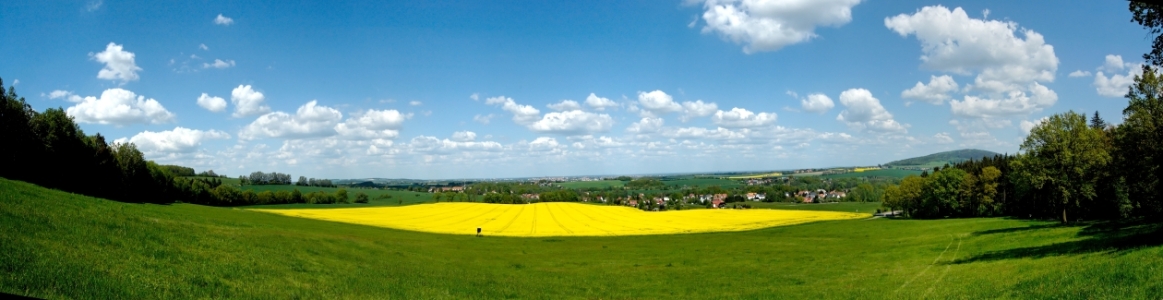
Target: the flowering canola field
pixel 560 219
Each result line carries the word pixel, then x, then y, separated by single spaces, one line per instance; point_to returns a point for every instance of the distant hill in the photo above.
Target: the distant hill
pixel 942 158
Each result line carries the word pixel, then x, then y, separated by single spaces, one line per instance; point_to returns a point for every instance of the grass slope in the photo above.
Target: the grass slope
pixel 59 245
pixel 942 158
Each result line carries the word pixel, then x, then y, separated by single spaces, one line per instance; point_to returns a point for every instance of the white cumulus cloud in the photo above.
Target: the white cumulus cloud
pixel 543 144
pixel 646 125
pixel 218 64
pixel 742 118
pixel 769 25
pixel 565 105
pixel 223 20
pixel 1009 61
pixel 1079 73
pixel 119 64
pixel 248 102
pixel 816 103
pixel 697 109
pixel 178 140
pixel 522 114
pixel 952 41
pixel 1116 85
pixel 213 104
pixel 600 103
pixel 718 133
pixel 573 122
pixel 862 111
pixel 658 102
pixel 62 94
pixel 464 136
pixel 1014 103
pixel 373 124
pixel 310 120
pixel 936 92
pixel 1114 63
pixel 120 107
pixel 433 145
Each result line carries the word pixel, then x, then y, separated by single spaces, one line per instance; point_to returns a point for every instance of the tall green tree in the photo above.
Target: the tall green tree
pixel 910 193
pixel 1063 158
pixel 1139 141
pixel 940 194
pixel 1097 122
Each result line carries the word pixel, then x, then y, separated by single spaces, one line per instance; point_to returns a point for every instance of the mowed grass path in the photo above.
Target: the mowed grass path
pixel 59 245
pixel 562 219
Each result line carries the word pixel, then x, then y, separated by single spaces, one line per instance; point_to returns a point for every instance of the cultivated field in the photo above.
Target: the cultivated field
pixel 561 219
pixel 753 176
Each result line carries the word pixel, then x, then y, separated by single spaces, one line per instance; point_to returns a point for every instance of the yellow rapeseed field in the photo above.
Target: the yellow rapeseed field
pixel 560 219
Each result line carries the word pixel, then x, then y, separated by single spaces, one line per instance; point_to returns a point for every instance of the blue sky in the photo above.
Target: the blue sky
pixel 472 89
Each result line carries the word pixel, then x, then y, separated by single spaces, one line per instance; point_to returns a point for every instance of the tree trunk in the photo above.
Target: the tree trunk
pixel 1064 216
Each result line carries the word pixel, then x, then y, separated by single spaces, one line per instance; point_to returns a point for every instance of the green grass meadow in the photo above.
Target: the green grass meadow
pixel 60 245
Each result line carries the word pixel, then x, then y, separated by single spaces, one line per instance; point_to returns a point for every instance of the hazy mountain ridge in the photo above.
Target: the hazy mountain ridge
pixel 941 158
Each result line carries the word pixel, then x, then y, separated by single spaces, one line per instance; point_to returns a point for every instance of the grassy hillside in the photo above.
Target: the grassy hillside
pixel 59 245
pixel 942 158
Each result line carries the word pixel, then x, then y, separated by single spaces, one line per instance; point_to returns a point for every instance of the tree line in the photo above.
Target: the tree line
pixel 260 178
pixel 1069 169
